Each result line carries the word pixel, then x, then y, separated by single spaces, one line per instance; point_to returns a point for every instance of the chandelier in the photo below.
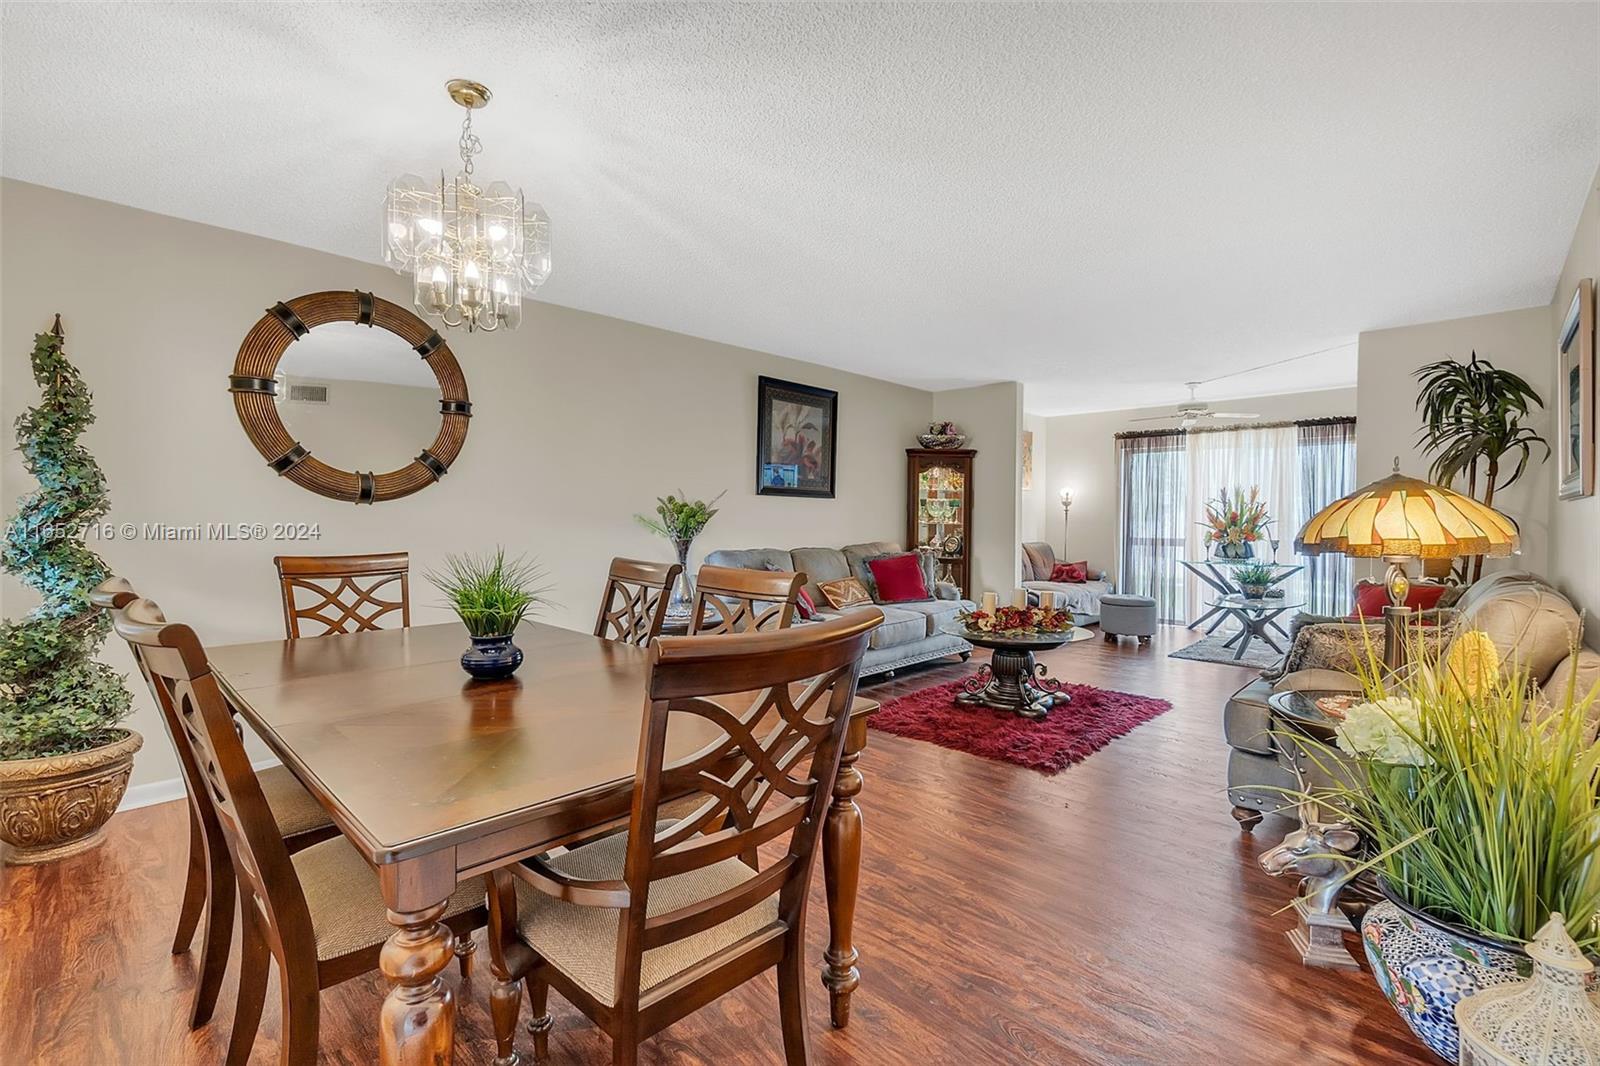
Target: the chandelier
pixel 473 251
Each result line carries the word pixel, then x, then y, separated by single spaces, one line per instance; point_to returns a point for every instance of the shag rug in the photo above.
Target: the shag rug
pixel 1070 733
pixel 1257 656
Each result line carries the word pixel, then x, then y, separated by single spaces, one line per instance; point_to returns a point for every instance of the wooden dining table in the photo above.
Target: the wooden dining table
pixel 436 778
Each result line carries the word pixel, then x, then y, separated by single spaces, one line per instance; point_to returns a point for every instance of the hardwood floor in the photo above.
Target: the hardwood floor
pixel 1113 914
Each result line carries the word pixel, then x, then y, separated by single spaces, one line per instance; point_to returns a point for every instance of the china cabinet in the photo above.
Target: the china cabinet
pixel 939 508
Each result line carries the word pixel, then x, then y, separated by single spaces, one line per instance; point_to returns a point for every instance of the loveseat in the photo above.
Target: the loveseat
pixel 1529 621
pixel 910 632
pixel 1082 598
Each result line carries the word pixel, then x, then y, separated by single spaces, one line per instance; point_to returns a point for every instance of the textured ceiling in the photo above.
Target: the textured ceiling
pixel 1101 201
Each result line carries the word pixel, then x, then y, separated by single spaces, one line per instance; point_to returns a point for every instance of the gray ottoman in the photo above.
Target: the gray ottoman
pixel 1128 616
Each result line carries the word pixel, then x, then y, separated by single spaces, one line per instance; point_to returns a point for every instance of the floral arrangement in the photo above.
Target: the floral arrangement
pixel 1017 621
pixel 1235 520
pixel 55 698
pixel 680 520
pixel 1478 797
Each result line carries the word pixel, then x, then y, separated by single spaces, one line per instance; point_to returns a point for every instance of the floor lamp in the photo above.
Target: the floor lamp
pixel 1066 514
pixel 1401 518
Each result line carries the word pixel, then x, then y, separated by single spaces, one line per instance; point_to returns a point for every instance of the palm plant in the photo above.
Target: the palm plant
pixel 1473 416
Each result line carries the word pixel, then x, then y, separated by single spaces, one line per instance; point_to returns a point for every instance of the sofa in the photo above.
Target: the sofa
pixel 1528 620
pixel 910 632
pixel 1080 597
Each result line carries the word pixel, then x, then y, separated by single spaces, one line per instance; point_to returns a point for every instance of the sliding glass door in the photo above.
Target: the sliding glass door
pixel 1154 503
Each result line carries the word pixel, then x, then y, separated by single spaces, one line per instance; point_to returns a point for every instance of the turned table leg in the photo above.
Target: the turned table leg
pixel 417 1022
pixel 841 868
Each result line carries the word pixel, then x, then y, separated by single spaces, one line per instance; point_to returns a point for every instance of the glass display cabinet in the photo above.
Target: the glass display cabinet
pixel 940 509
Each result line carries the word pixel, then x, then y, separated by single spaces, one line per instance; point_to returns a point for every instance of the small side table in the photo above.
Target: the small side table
pixel 1256 618
pixel 1011 680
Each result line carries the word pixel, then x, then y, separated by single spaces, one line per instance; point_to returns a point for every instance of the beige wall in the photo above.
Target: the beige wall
pixel 1083 456
pixel 1519 341
pixel 579 421
pixel 1575 524
pixel 991 416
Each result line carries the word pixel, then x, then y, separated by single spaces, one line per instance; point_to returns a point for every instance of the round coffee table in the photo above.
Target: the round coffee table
pixel 1011 680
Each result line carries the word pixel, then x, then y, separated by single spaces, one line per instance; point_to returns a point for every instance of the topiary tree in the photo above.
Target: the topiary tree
pixel 54 697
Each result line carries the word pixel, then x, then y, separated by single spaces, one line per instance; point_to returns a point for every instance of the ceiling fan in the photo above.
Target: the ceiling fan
pixel 1195 412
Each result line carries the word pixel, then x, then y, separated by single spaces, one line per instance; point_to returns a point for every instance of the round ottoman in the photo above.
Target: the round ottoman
pixel 1128 616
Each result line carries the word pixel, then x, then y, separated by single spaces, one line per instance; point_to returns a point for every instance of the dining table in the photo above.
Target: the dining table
pixel 436 778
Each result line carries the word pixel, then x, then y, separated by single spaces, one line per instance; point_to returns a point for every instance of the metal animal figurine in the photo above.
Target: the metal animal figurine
pixel 1323 854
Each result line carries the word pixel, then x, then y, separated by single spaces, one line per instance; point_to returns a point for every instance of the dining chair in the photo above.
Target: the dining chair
pixel 318 913
pixel 728 599
pixel 635 601
pixel 343 591
pixel 644 927
pixel 208 888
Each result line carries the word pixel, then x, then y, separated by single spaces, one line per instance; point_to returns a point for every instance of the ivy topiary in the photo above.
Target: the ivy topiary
pixel 55 698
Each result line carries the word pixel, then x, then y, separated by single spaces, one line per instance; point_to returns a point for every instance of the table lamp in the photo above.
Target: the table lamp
pixel 1399 518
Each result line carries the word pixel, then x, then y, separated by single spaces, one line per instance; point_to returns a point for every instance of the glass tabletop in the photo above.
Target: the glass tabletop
pixel 1043 640
pixel 1218 560
pixel 1305 709
pixel 1256 603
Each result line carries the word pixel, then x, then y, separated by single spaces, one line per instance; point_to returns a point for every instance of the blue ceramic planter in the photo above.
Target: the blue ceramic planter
pixel 491 658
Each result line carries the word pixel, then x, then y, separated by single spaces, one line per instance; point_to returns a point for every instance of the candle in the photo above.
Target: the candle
pixel 990 601
pixel 1047 600
pixel 1020 599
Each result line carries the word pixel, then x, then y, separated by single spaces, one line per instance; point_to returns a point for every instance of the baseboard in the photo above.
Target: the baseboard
pixel 153 792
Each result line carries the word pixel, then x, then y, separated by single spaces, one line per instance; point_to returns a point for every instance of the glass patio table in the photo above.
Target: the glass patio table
pixel 1257 618
pixel 1215 574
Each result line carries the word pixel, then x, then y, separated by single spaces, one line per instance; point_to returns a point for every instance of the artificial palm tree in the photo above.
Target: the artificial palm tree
pixel 1473 414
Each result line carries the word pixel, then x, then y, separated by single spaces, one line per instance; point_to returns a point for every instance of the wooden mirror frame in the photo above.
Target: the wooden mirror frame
pixel 255 389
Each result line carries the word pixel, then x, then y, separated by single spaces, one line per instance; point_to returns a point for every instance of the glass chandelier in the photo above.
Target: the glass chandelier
pixel 473 251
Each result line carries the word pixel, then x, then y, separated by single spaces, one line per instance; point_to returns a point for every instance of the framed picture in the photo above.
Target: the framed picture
pixel 797 432
pixel 1575 395
pixel 1027 460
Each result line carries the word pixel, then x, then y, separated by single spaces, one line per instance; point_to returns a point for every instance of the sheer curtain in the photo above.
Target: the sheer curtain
pixel 1224 460
pixel 1153 507
pixel 1327 451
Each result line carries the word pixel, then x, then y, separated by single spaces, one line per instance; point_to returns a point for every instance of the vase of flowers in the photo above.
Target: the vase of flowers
pixel 942 436
pixel 1480 807
pixel 681 520
pixel 491 595
pixel 1235 523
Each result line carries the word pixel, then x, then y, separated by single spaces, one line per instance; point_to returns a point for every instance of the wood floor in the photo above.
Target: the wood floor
pixel 1111 914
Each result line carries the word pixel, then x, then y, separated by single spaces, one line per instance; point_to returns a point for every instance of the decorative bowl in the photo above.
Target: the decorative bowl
pixel 1254 592
pixel 942 441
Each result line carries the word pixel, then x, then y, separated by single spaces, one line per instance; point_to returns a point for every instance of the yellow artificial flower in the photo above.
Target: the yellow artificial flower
pixel 1473 666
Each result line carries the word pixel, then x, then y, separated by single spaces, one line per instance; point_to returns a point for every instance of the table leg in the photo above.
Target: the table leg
pixel 1244 640
pixel 841 870
pixel 1222 616
pixel 417 1022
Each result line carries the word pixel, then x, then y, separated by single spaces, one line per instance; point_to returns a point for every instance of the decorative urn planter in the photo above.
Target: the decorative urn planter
pixel 491 658
pixel 1254 592
pixel 942 441
pixel 54 807
pixel 1425 967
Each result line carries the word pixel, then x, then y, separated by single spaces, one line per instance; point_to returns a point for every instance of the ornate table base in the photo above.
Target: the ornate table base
pixel 1012 681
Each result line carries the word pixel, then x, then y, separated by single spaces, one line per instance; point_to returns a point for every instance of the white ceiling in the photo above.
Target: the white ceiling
pixel 1101 201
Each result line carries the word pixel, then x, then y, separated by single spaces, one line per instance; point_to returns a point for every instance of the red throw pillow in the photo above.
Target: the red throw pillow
pixel 1071 573
pixel 899 578
pixel 1372 597
pixel 806 608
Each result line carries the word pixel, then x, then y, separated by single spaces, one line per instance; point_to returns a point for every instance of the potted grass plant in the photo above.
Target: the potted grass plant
pixel 491 595
pixel 1479 803
pixel 1254 579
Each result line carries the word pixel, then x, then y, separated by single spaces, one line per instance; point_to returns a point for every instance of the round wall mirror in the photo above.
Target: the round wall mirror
pixel 351 396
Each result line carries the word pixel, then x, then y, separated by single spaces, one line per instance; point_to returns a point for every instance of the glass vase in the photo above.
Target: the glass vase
pixel 680 604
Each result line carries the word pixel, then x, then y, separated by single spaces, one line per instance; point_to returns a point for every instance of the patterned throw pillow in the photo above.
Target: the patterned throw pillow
pixel 846 592
pixel 1070 573
pixel 804 607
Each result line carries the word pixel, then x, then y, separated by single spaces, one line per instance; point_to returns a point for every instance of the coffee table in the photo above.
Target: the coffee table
pixel 1011 680
pixel 1256 618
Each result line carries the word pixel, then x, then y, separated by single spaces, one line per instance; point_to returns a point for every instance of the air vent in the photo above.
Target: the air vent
pixel 308 393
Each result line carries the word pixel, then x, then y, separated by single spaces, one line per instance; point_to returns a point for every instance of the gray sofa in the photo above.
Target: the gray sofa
pixel 910 632
pixel 1082 598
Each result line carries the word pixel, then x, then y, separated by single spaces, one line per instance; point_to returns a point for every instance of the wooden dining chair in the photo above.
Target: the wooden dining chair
pixel 342 591
pixel 642 928
pixel 728 599
pixel 318 913
pixel 208 889
pixel 635 600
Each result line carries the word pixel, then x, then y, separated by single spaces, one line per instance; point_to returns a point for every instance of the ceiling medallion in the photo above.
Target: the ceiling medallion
pixel 473 251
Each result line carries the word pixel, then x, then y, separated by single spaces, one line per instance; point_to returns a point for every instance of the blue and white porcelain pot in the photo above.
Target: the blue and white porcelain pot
pixel 491 658
pixel 1425 966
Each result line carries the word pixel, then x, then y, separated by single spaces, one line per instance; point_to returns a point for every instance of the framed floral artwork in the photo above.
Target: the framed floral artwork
pixel 797 431
pixel 1575 395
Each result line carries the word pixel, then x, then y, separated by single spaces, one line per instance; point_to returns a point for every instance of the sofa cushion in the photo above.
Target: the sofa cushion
pixel 1070 573
pixel 1078 597
pixel 1584 669
pixel 753 558
pixel 937 612
pixel 858 554
pixel 1530 623
pixel 1373 596
pixel 900 626
pixel 1246 722
pixel 898 579
pixel 819 565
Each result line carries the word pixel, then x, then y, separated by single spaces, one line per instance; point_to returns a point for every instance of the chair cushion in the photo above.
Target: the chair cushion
pixel 1373 596
pixel 293 808
pixel 1530 623
pixel 1246 722
pixel 346 904
pixel 900 626
pixel 581 941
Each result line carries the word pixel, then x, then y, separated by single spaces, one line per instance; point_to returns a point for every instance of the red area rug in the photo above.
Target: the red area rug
pixel 1069 734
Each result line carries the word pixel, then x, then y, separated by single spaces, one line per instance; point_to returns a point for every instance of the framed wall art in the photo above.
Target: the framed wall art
pixel 1575 395
pixel 797 432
